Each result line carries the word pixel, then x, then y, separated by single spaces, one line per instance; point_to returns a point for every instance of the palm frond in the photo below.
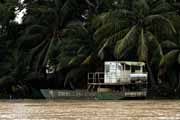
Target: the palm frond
pixel 67 8
pixel 154 47
pixel 6 80
pixel 35 52
pixel 34 29
pixel 101 51
pixel 87 60
pixel 161 7
pixel 77 60
pixel 126 42
pixel 30 41
pixel 170 58
pixel 75 29
pixel 48 51
pixel 157 17
pixel 121 13
pixel 112 30
pixel 103 31
pixel 169 45
pixel 142 48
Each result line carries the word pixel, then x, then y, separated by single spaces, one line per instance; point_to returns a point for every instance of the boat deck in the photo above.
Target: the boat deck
pixel 114 84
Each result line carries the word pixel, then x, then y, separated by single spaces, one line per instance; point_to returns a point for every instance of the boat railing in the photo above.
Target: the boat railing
pixel 96 77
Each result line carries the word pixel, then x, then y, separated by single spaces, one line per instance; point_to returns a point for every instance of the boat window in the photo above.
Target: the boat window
pixel 128 67
pixel 133 69
pixel 138 67
pixel 119 67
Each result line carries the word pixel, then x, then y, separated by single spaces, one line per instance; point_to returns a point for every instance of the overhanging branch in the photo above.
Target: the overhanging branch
pixel 90 3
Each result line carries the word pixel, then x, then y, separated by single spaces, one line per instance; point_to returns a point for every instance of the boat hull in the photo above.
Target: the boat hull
pixel 84 94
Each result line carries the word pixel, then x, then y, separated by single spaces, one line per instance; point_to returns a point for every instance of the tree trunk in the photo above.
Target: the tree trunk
pixel 151 80
pixel 178 86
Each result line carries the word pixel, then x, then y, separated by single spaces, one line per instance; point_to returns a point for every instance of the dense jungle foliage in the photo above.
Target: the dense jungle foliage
pixel 72 37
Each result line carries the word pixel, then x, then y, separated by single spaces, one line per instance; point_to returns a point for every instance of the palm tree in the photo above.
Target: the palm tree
pixel 176 4
pixel 7 15
pixel 9 32
pixel 170 63
pixel 54 43
pixel 75 46
pixel 51 21
pixel 135 25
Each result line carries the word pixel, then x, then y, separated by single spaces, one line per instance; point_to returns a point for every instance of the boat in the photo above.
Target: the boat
pixel 120 79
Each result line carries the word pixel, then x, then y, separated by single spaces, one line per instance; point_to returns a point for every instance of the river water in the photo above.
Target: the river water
pixel 90 110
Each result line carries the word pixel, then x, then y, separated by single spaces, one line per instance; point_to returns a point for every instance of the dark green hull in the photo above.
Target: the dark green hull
pixel 84 94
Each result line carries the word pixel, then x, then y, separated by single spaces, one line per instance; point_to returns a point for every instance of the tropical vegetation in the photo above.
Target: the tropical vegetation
pixel 59 41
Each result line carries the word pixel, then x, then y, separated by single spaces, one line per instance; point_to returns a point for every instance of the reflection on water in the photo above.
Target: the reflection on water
pixel 90 110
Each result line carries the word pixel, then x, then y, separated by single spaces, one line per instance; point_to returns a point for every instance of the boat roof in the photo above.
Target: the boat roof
pixel 130 63
pixel 133 63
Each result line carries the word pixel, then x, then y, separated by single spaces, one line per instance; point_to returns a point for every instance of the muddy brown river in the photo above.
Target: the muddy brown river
pixel 90 110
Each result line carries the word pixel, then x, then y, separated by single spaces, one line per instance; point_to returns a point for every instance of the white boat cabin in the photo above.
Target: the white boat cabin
pixel 124 72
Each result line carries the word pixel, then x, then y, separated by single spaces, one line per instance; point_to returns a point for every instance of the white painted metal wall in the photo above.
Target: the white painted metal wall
pixel 117 72
pixel 112 72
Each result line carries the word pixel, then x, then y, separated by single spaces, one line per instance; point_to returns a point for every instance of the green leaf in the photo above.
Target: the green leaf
pixel 154 48
pixel 169 44
pixel 157 17
pixel 170 58
pixel 142 47
pixel 46 57
pixel 126 42
pixel 161 7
